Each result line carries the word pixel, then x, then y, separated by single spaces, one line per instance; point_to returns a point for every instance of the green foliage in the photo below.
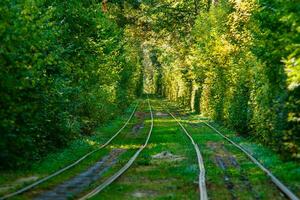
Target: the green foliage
pixel 241 46
pixel 63 71
pixel 237 63
pixel 278 40
pixel 66 67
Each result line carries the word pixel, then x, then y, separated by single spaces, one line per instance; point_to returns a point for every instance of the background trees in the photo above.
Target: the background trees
pixel 235 66
pixel 66 67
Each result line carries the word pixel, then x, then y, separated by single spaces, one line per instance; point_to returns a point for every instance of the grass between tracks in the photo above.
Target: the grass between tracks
pixel 11 180
pixel 166 178
pixel 245 180
pixel 287 171
pixel 131 142
pixel 151 178
pixel 229 173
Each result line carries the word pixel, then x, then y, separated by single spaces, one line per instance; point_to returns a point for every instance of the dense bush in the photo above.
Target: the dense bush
pixel 65 67
pixel 240 66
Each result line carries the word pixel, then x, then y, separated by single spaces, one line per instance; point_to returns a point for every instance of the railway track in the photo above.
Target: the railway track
pixel 112 178
pixel 201 177
pixel 43 180
pixel 284 189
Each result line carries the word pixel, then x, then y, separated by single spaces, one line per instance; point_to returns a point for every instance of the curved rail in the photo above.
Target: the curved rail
pixel 275 180
pixel 202 186
pixel 27 188
pixel 111 179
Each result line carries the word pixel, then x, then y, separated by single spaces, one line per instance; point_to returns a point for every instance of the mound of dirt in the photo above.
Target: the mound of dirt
pixel 140 115
pixel 144 194
pixel 17 183
pixel 161 114
pixel 166 155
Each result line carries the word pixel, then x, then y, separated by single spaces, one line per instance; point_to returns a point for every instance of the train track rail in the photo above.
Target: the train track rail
pixel 284 189
pixel 201 177
pixel 43 180
pixel 112 178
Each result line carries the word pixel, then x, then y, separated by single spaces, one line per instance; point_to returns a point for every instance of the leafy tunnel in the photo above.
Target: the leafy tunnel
pixel 67 67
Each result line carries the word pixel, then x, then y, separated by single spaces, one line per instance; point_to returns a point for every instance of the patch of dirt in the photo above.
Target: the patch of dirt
pixel 27 179
pixel 116 153
pixel 136 128
pixel 167 156
pixel 77 184
pixel 195 125
pixel 140 115
pixel 225 160
pixel 180 113
pixel 5 188
pixel 144 193
pixel 140 124
pixel 17 183
pixel 143 180
pixel 145 168
pixel 161 114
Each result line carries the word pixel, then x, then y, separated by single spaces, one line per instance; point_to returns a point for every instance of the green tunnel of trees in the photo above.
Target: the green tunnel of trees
pixel 67 67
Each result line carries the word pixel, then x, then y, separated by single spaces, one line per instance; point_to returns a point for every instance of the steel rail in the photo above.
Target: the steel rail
pixel 38 182
pixel 112 178
pixel 202 185
pixel 275 180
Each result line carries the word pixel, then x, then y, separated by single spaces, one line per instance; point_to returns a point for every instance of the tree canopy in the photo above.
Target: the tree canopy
pixel 67 67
